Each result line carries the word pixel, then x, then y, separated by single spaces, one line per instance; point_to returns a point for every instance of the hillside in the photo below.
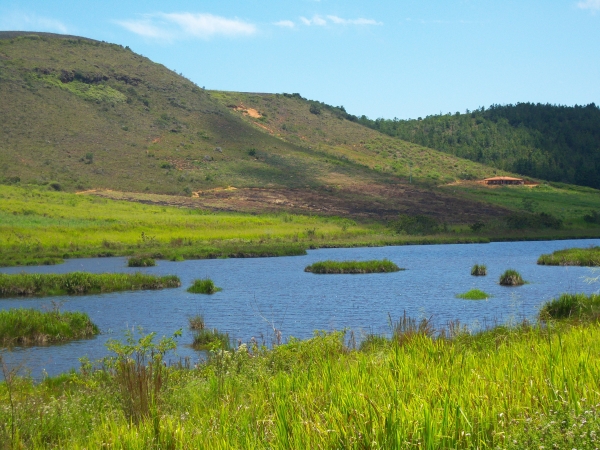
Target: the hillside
pixel 84 115
pixel 556 143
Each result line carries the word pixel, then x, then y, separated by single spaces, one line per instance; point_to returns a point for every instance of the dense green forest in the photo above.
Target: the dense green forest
pixel 557 143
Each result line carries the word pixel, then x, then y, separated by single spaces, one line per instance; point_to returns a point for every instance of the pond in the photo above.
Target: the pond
pixel 263 295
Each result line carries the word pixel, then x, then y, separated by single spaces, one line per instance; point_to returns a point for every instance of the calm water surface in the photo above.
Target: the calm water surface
pixel 264 294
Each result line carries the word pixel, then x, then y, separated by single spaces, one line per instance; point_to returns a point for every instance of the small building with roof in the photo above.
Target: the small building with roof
pixel 504 181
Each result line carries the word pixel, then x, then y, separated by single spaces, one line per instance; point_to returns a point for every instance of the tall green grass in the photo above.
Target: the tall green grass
pixel 203 286
pixel 75 283
pixel 522 387
pixel 353 267
pixel 30 326
pixel 479 270
pixel 572 257
pixel 511 277
pixel 576 306
pixel 140 261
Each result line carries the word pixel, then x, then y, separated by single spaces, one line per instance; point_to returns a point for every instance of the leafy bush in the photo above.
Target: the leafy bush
pixel 315 109
pixel 415 224
pixel 542 220
pixel 592 217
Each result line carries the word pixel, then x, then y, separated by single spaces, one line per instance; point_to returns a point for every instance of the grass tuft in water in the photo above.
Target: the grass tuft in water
pixel 511 278
pixel 211 339
pixel 33 327
pixel 352 267
pixel 474 294
pixel 196 322
pixel 203 286
pixel 576 306
pixel 479 270
pixel 141 261
pixel 572 257
pixel 75 283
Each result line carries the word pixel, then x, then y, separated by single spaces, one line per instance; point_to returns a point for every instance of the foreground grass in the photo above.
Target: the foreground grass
pixel 33 327
pixel 572 257
pixel 38 284
pixel 505 388
pixel 353 267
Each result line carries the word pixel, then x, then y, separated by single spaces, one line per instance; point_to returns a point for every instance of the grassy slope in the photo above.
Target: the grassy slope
pixel 124 123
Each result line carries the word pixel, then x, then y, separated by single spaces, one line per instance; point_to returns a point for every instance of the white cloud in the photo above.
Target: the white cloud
pixel 285 24
pixel 318 20
pixel 360 21
pixel 594 5
pixel 30 22
pixel 144 28
pixel 181 25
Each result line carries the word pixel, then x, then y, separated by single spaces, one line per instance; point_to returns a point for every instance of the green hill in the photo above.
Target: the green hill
pixel 556 143
pixel 84 115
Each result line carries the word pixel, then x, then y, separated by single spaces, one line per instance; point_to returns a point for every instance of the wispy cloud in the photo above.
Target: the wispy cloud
pixel 285 24
pixel 593 5
pixel 339 21
pixel 335 20
pixel 30 22
pixel 171 26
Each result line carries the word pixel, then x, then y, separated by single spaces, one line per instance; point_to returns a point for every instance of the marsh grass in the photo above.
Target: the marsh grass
pixel 140 261
pixel 33 327
pixel 508 387
pixel 479 270
pixel 511 278
pixel 352 267
pixel 203 286
pixel 575 306
pixel 473 294
pixel 78 283
pixel 196 322
pixel 572 257
pixel 211 339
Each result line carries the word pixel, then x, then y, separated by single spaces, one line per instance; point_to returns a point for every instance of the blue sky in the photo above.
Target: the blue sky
pixel 403 58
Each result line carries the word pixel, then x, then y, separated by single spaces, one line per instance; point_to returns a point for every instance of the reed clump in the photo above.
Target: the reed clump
pixel 141 261
pixel 576 306
pixel 474 294
pixel 511 278
pixel 203 286
pixel 33 327
pixel 479 270
pixel 353 267
pixel 572 257
pixel 78 283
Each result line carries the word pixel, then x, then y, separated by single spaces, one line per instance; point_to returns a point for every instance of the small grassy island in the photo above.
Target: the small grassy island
pixel 474 294
pixel 572 257
pixel 77 283
pixel 511 278
pixel 141 261
pixel 479 270
pixel 204 286
pixel 33 327
pixel 207 338
pixel 372 266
